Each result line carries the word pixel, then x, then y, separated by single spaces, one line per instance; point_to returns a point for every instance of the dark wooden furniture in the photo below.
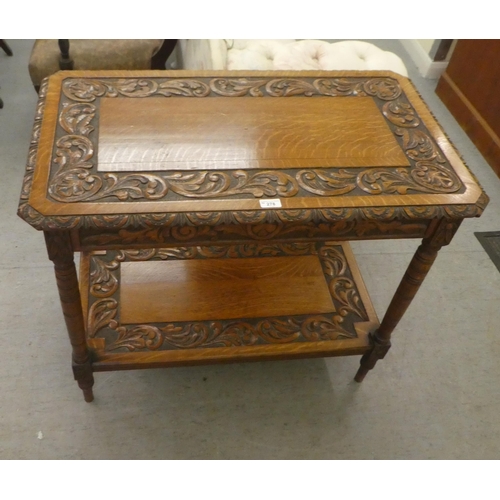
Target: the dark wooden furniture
pixel 5 47
pixel 213 210
pixel 469 89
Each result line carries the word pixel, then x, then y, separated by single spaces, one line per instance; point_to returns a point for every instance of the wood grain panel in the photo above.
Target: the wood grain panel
pixel 198 290
pixel 228 133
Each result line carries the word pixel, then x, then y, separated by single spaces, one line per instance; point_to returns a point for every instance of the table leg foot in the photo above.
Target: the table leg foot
pixel 85 379
pixel 369 359
pixel 88 395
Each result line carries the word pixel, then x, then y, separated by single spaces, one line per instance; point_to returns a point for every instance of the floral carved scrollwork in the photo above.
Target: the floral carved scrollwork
pixel 289 87
pixel 88 90
pixel 103 312
pixel 186 88
pixel 138 337
pixel 237 87
pixel 400 114
pixel 327 183
pixel 424 177
pixel 74 180
pixel 215 184
pixel 76 118
pixel 419 146
pixel 342 288
pixel 386 89
pixel 230 334
pixel 83 90
pixel 103 281
pixel 339 87
pixel 428 174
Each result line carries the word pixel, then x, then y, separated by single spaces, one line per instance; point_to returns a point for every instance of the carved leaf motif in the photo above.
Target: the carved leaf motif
pixel 74 184
pixel 344 291
pixel 342 287
pixel 138 337
pixel 187 233
pixel 73 151
pixel 187 88
pixel 133 186
pixel 339 87
pixel 424 177
pixel 386 89
pixel 211 334
pixel 325 328
pixel 334 264
pixel 277 331
pixel 136 87
pixel 257 250
pixel 73 180
pixel 191 335
pixel 75 118
pixel 102 314
pixel 327 183
pixel 160 253
pixel 232 334
pixel 103 282
pixel 207 184
pixel 86 90
pixel 289 87
pixel 419 146
pixel 401 114
pixel 236 87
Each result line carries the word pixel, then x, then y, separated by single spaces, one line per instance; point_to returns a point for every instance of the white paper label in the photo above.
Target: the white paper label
pixel 270 203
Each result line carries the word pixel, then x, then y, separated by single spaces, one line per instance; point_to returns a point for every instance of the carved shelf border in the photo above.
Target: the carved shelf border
pixel 104 310
pixel 75 179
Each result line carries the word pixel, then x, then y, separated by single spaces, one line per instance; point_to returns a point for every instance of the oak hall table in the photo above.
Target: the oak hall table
pixel 213 211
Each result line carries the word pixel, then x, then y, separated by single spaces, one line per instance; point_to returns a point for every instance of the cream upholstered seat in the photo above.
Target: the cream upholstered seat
pixel 287 55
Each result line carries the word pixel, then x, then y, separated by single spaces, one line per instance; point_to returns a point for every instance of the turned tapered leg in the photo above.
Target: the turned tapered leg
pixel 61 254
pixel 408 288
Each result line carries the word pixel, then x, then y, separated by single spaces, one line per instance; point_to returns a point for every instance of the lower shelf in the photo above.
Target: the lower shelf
pixel 193 305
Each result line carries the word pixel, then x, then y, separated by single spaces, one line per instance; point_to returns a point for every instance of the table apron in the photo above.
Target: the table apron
pixel 163 237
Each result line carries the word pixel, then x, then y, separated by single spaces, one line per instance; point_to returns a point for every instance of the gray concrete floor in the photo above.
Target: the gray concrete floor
pixel 436 394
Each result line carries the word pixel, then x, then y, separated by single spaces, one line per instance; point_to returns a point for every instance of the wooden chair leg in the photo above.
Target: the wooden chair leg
pixel 6 47
pixel 159 60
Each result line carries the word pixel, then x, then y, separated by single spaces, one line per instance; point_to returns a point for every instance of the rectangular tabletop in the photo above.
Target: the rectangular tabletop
pixel 186 148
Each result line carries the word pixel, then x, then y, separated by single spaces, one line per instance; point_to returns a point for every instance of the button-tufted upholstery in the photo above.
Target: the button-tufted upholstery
pixel 287 55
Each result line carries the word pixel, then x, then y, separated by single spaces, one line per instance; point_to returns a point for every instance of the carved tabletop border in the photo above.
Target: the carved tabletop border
pixel 76 178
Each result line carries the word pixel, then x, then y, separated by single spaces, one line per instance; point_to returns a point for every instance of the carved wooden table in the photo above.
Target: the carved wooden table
pixel 213 209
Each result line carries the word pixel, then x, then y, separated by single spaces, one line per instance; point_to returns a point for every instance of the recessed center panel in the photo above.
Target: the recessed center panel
pixel 198 290
pixel 175 133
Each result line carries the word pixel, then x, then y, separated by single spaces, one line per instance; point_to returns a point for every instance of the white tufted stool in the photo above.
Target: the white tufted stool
pixel 287 55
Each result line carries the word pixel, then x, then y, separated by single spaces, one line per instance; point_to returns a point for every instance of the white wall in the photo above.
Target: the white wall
pixel 419 52
pixel 426 44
